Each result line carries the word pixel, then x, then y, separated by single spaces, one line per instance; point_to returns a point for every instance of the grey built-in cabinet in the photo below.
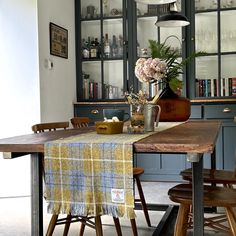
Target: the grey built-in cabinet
pixel 111 35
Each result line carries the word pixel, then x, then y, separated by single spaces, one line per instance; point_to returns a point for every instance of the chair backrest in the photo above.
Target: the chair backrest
pixel 79 122
pixel 39 128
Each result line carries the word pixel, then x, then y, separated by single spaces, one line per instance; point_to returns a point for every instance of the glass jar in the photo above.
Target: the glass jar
pixel 137 115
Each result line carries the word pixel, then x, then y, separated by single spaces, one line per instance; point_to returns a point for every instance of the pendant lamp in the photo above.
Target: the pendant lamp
pixel 156 2
pixel 173 19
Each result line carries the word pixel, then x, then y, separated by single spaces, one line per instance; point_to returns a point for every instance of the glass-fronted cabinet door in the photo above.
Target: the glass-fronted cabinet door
pixel 101 51
pixel 215 34
pixel 146 30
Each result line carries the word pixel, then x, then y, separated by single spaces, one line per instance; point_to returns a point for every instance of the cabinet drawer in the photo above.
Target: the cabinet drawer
pixel 196 112
pixel 95 112
pixel 226 111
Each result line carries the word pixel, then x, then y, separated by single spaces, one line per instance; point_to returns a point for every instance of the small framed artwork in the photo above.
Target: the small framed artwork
pixel 58 41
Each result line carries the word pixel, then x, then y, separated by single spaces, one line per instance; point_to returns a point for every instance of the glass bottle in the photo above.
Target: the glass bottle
pixel 85 50
pixel 98 47
pixel 107 47
pixel 120 46
pixel 89 46
pixel 93 49
pixel 114 47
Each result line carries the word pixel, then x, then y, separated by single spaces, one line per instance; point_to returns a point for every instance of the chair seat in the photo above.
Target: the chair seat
pixel 212 176
pixel 213 196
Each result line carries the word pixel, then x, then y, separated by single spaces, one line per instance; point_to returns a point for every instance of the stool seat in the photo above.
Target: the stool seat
pixel 137 171
pixel 213 196
pixel 212 176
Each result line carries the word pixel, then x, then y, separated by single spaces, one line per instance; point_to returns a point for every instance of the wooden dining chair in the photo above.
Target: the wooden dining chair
pixel 53 126
pixel 39 128
pixel 213 196
pixel 137 172
pixel 79 122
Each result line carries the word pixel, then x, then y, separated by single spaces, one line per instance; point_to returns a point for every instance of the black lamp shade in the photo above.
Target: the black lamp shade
pixel 173 19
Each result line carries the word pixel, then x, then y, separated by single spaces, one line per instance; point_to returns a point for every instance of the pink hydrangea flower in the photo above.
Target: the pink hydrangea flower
pixel 147 70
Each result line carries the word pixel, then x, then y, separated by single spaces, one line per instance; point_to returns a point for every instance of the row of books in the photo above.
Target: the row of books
pixel 93 90
pixel 223 87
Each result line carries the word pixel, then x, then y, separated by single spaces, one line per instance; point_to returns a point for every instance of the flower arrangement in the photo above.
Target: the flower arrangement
pixel 150 70
pixel 164 66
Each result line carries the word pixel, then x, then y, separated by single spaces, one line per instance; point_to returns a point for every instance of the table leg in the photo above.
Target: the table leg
pixel 36 194
pixel 198 206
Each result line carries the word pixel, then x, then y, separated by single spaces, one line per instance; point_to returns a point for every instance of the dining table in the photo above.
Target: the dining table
pixel 193 138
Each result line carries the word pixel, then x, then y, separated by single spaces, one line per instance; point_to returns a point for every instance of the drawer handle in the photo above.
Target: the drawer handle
pixel 94 111
pixel 227 110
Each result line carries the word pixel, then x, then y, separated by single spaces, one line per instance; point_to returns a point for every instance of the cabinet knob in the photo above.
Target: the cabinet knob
pixel 94 111
pixel 226 110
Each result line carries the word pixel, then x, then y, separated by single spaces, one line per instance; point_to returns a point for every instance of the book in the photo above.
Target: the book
pixel 234 86
pixel 226 86
pixel 90 89
pixel 85 89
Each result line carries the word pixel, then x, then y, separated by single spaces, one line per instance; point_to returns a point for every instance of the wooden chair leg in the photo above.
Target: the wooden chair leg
pixel 98 226
pixel 67 225
pixel 143 202
pixel 82 227
pixel 134 227
pixel 117 225
pixel 52 225
pixel 181 223
pixel 232 219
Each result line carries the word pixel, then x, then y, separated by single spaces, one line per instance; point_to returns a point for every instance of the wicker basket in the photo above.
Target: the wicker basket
pixel 109 127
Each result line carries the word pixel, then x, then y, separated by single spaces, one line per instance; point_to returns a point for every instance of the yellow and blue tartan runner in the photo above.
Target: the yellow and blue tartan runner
pixel 91 174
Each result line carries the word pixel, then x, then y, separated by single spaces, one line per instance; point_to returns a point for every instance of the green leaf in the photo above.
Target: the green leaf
pixel 170 55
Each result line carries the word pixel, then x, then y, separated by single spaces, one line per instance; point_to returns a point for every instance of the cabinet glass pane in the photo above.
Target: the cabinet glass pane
pixel 113 79
pixel 112 8
pixel 92 86
pixel 146 30
pixel 113 38
pixel 90 29
pixel 146 10
pixel 206 82
pixel 206 32
pixel 228 31
pixel 172 36
pixel 227 3
pixel 228 75
pixel 201 5
pixel 90 9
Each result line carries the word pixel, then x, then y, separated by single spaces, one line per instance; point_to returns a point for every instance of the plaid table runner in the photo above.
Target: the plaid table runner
pixel 91 174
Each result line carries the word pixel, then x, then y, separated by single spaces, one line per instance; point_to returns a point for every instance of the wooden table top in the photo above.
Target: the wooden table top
pixel 191 136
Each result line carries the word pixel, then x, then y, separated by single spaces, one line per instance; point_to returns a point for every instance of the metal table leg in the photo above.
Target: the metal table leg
pixel 198 206
pixel 36 195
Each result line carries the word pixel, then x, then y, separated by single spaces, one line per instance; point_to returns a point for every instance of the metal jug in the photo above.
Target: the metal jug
pixel 151 114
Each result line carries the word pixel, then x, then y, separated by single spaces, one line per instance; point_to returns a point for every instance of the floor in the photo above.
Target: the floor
pixel 15 215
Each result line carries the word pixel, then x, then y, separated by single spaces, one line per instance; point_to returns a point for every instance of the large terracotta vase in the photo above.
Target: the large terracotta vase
pixel 173 107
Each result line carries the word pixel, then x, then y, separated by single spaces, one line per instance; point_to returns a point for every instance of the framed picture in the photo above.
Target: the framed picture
pixel 58 41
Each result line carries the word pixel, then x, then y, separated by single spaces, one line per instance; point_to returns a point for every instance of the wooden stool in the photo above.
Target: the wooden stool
pixel 213 196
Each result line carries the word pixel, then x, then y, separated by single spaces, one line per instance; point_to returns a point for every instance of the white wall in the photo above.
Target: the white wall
pixel 19 84
pixel 57 86
pixel 31 93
